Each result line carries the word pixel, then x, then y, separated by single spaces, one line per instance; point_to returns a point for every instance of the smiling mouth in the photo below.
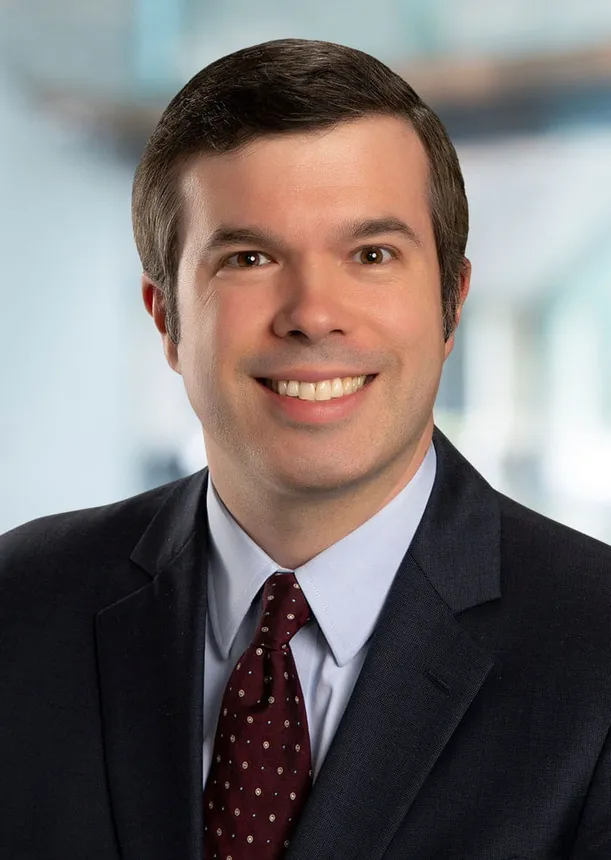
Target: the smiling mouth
pixel 328 389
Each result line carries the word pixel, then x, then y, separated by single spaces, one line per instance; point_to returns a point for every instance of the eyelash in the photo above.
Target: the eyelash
pixel 224 262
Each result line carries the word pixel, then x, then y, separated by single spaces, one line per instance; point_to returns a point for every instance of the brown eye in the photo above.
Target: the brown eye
pixel 373 256
pixel 246 260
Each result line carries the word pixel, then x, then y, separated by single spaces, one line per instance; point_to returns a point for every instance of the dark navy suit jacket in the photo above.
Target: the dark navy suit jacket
pixel 478 728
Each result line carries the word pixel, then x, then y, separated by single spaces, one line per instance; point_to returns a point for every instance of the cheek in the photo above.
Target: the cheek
pixel 216 335
pixel 198 352
pixel 199 373
pixel 226 311
pixel 415 326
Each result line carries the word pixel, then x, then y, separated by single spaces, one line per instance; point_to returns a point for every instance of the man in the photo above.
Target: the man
pixel 337 641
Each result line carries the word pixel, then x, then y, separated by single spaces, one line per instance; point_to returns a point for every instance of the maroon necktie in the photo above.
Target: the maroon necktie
pixel 261 769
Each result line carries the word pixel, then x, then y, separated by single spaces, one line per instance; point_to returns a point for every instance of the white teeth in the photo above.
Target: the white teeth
pixel 327 389
pixel 337 388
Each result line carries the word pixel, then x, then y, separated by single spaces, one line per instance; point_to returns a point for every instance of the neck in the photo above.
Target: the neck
pixel 293 527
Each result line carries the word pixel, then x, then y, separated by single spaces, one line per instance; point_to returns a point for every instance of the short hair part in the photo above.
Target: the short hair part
pixel 287 86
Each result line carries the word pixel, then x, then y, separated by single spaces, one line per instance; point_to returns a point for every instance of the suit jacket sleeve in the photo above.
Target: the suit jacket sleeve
pixel 593 840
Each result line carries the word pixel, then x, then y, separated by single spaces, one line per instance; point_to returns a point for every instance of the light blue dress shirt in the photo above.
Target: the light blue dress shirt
pixel 346 586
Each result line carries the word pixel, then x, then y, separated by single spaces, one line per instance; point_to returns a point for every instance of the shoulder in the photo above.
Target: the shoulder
pixel 557 580
pixel 526 531
pixel 69 530
pixel 57 553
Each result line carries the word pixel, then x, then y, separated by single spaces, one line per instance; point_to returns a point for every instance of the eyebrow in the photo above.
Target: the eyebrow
pixel 226 235
pixel 367 228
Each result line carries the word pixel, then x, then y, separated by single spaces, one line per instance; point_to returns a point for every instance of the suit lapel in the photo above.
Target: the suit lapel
pixel 421 673
pixel 150 654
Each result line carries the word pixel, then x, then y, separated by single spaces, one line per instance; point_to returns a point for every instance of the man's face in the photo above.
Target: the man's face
pixel 311 255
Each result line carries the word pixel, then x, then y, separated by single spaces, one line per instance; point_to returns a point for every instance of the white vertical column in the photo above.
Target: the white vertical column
pixel 577 451
pixel 491 344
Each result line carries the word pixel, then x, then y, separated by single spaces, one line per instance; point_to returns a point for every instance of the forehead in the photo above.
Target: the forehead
pixel 302 182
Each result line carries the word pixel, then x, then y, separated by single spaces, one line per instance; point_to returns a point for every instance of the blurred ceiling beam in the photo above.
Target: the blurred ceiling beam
pixel 488 79
pixel 477 97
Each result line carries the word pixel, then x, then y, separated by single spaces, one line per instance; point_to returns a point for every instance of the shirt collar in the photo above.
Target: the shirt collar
pixel 345 585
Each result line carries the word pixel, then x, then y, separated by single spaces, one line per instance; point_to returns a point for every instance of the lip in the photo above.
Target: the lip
pixel 315 411
pixel 315 375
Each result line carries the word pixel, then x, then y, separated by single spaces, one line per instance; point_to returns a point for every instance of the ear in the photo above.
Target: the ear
pixel 155 304
pixel 463 291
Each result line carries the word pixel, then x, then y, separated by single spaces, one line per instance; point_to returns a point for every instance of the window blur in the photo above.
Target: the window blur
pixel 89 411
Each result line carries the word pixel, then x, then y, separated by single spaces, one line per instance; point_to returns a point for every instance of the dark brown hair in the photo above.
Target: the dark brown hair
pixel 289 85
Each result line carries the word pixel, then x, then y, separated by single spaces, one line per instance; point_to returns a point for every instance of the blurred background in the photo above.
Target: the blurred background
pixel 89 411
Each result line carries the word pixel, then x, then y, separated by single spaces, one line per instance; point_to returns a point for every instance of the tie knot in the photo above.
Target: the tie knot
pixel 284 611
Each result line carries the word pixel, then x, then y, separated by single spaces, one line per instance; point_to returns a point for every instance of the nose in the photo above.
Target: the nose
pixel 312 302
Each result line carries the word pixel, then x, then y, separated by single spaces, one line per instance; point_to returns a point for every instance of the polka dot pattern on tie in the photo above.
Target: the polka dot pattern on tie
pixel 261 771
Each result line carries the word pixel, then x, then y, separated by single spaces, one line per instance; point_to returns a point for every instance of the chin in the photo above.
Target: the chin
pixel 313 481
